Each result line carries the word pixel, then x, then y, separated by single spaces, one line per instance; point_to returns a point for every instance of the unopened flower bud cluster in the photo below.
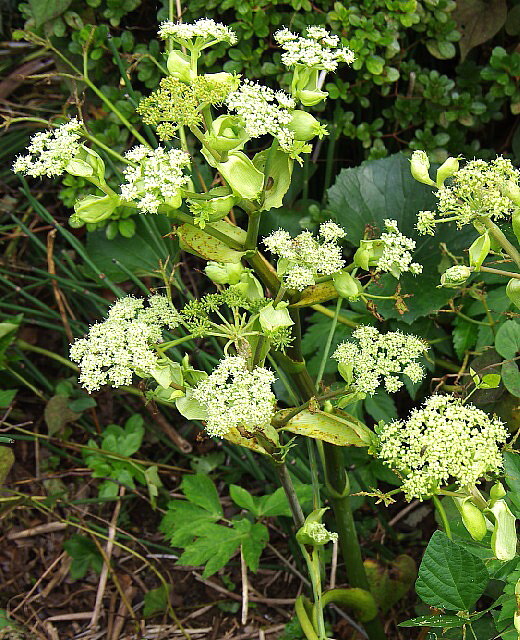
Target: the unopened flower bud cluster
pixel 122 345
pixel 50 151
pixel 397 257
pixel 304 257
pixel 205 29
pixel 378 356
pixel 235 397
pixel 157 179
pixel 319 533
pixel 263 111
pixel 443 441
pixel 318 50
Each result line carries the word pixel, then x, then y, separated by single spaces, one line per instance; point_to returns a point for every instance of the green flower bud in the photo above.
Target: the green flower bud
pixel 272 318
pixel 227 133
pixel 472 517
pixel 362 257
pixel 515 219
pixel 479 250
pixel 305 126
pixel 313 533
pixel 95 208
pixel 455 276
pixel 503 538
pixel 347 286
pixel 513 291
pixel 368 254
pixel 512 191
pixel 87 164
pixel 419 167
pixel 240 173
pixel 447 169
pixel 249 287
pixel 304 86
pixel 179 66
pixel 224 272
pixel 497 492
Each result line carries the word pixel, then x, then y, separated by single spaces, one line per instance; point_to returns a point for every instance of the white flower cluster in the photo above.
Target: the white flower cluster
pixel 396 257
pixel 443 441
pixel 319 533
pixel 121 345
pixel 50 151
pixel 236 397
pixel 318 50
pixel 204 28
pixel 477 189
pixel 156 179
pixel 304 258
pixel 263 111
pixel 379 356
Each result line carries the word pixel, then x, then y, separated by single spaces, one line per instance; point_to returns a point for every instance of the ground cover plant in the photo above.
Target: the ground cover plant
pixel 334 364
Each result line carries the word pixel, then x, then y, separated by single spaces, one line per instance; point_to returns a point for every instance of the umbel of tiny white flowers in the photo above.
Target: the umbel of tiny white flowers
pixel 235 397
pixel 50 151
pixel 478 189
pixel 123 344
pixel 156 179
pixel 392 252
pixel 379 356
pixel 304 258
pixel 200 34
pixel 443 441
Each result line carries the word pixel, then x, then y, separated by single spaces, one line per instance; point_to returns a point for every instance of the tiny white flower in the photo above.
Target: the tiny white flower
pixel 206 29
pixel 379 356
pixel 50 151
pixel 157 179
pixel 235 397
pixel 443 441
pixel 317 50
pixel 397 252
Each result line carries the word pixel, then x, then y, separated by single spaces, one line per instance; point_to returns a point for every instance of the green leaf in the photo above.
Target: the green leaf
pixel 511 378
pixel 183 520
pixel 84 554
pixel 384 188
pixel 139 254
pixel 449 576
pixel 244 499
pixel 464 336
pixel 81 404
pixel 214 547
pixel 6 397
pixel 381 406
pixel 445 622
pixel 512 470
pixel 342 430
pixel 274 504
pixel 156 600
pixel 43 10
pixel 507 341
pixel 6 462
pixel 57 414
pixel 478 21
pixel 200 490
pixel 255 538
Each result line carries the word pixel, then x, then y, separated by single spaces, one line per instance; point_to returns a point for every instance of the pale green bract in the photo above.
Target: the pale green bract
pixel 443 441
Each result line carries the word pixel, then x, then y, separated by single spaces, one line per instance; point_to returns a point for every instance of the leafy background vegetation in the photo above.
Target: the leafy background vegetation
pixel 436 75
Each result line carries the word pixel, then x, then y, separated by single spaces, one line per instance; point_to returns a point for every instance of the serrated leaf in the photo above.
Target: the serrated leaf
pixel 244 499
pixel 6 397
pixel 449 576
pixel 200 490
pixel 57 414
pixel 214 547
pixel 182 522
pixel 381 406
pixel 507 341
pixel 84 554
pixel 156 600
pixel 255 538
pixel 382 189
pixel 464 336
pixel 43 10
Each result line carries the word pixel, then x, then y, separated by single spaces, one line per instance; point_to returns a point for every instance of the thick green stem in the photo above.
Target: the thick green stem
pixel 337 479
pixel 499 236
